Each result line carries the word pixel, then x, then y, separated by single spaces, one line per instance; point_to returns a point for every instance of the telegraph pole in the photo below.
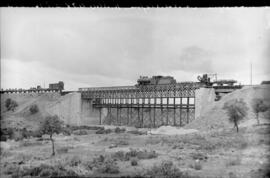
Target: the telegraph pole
pixel 250 73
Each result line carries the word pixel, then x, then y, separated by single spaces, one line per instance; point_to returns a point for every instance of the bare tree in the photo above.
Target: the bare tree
pixel 236 110
pixel 259 106
pixel 51 125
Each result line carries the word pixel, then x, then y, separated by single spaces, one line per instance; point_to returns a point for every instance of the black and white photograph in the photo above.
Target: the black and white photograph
pixel 135 92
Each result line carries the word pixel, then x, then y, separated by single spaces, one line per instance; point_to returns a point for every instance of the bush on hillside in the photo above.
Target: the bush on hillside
pixel 236 110
pixel 18 134
pixel 6 133
pixel 258 107
pixel 10 104
pixel 33 109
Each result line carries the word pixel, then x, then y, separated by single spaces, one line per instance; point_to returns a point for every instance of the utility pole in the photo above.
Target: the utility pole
pixel 250 73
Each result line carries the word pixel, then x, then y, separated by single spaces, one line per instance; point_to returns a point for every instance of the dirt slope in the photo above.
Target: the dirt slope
pixel 215 117
pixel 22 117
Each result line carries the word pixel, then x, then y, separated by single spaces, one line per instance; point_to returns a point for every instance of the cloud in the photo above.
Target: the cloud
pixel 195 59
pixel 103 47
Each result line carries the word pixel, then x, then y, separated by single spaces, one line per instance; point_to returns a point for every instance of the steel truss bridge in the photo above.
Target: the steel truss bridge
pixel 19 91
pixel 146 105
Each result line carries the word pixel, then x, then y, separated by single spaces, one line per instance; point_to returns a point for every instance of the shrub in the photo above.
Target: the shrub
pixel 22 157
pixel 232 175
pixel 236 110
pixel 198 156
pixel 17 135
pixel 153 140
pixel 6 133
pixel 43 170
pixel 131 153
pixel 10 104
pixel 96 162
pixel 146 154
pixel 137 132
pixel 109 166
pixel 102 131
pixel 62 150
pixel 119 155
pixel 3 138
pixel 243 145
pixel 259 106
pixel 119 130
pixel 66 131
pixel 122 143
pixel 80 132
pixel 46 172
pixel 33 109
pixel 75 161
pixel 134 162
pixel 165 169
pixel 5 153
pixel 233 162
pixel 30 143
pixel 10 168
pixel 197 165
pixel 85 127
pixel 26 133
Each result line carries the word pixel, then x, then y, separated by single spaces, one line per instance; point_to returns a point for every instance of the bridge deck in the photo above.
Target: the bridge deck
pixel 145 91
pixel 176 98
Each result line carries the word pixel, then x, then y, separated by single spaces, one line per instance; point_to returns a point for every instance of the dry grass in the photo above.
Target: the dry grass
pixel 62 150
pixel 233 162
pixel 197 165
pixel 132 153
pixel 122 143
pixel 198 156
pixel 26 143
pixel 165 169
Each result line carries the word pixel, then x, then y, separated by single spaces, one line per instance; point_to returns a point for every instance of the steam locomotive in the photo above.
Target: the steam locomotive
pixel 155 80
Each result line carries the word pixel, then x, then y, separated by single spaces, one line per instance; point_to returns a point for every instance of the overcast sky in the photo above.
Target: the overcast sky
pixel 112 46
